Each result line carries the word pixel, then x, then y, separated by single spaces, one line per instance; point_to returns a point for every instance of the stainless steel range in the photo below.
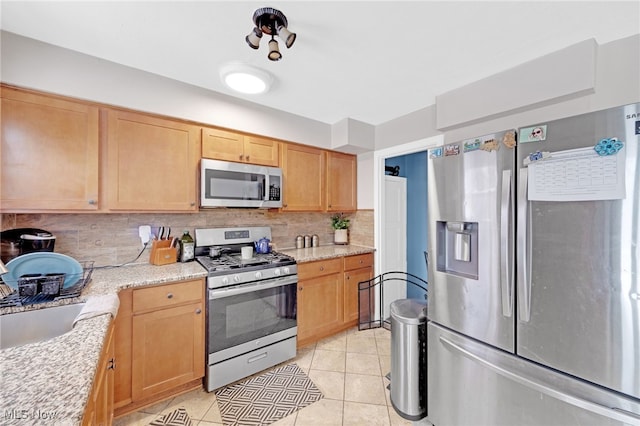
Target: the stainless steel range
pixel 251 310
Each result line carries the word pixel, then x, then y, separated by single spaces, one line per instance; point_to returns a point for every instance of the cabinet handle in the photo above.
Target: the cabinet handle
pixel 348 277
pixel 247 158
pixel 191 204
pixel 241 156
pixel 361 261
pixel 300 288
pixel 198 311
pixel 170 296
pixel 322 268
pixel 112 364
pixel 93 202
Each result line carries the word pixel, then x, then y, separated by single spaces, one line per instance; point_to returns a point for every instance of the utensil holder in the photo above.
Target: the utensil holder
pixel 29 284
pixel 162 253
pixel 52 284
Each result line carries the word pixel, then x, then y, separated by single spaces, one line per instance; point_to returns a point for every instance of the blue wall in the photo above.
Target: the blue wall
pixel 414 168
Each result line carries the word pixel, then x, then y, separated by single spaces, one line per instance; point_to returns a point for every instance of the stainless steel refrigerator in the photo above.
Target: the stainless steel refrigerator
pixel 534 298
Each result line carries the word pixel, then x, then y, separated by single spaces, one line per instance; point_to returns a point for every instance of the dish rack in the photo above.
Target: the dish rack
pixel 12 297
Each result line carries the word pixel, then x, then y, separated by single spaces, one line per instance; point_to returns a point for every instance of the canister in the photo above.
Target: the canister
pixel 307 240
pixel 299 242
pixel 315 240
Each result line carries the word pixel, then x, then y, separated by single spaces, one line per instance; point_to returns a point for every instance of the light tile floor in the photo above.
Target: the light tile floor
pixel 348 368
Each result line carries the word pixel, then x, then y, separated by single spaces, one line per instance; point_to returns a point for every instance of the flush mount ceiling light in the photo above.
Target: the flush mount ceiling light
pixel 245 79
pixel 272 22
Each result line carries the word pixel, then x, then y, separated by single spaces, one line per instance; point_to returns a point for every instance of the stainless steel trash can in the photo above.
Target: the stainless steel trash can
pixel 408 358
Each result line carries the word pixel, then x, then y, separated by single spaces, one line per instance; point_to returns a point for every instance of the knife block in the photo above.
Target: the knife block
pixel 162 253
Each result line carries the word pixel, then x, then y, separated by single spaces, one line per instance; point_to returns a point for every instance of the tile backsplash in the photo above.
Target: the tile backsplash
pixel 112 239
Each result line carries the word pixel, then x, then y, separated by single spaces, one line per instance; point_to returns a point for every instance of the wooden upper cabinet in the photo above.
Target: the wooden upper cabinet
pixel 303 169
pixel 152 163
pixel 49 153
pixel 230 146
pixel 341 182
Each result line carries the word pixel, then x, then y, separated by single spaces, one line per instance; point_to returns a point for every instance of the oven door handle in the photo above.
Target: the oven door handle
pixel 219 293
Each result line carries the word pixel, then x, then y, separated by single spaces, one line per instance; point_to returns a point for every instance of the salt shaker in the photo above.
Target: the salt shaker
pixel 307 241
pixel 299 242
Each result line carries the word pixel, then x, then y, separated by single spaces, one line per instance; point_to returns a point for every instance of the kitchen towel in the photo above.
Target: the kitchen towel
pixel 267 398
pixel 99 305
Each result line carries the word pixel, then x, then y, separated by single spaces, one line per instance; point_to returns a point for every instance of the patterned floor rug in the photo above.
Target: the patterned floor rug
pixel 177 417
pixel 267 398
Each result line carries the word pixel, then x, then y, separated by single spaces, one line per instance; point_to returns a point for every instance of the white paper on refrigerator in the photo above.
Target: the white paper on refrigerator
pixel 578 175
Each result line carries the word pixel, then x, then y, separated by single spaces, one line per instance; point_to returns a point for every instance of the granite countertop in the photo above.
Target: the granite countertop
pixel 326 252
pixel 49 382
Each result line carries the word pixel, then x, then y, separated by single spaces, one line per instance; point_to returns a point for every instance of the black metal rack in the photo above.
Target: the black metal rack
pixel 10 297
pixel 368 290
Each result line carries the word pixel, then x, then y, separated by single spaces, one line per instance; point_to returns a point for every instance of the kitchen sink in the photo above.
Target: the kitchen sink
pixel 37 325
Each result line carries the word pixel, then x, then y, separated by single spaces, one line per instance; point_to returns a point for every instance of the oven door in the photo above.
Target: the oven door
pixel 252 314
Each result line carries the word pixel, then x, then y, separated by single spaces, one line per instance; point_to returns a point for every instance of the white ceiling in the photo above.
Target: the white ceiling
pixel 370 61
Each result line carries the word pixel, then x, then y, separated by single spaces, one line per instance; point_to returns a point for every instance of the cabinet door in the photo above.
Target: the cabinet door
pixel 261 151
pixel 49 153
pixel 99 409
pixel 123 349
pixel 341 182
pixel 152 163
pixel 319 307
pixel 168 349
pixel 222 145
pixel 303 169
pixel 351 293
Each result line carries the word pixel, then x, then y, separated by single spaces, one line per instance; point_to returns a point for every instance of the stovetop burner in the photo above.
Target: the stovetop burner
pixel 233 261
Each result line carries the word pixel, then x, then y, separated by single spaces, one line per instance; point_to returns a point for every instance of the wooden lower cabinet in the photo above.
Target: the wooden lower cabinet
pixel 161 342
pixel 357 268
pixel 328 295
pixel 319 299
pixel 99 409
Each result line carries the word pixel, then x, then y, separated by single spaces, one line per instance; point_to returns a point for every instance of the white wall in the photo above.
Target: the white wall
pixel 32 64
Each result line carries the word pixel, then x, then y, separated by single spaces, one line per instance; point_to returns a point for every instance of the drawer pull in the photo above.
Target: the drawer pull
pixel 170 296
pixel 322 268
pixel 361 261
pixel 198 311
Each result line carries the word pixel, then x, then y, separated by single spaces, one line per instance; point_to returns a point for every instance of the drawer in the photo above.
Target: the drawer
pixel 167 295
pixel 358 261
pixel 319 268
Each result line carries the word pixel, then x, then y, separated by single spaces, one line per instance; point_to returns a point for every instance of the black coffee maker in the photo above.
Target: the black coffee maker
pixel 15 242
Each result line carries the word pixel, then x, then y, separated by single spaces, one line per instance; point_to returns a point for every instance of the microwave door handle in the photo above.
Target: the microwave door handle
pixel 265 189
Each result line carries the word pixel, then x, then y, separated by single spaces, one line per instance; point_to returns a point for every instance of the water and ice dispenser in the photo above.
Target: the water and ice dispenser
pixel 457 248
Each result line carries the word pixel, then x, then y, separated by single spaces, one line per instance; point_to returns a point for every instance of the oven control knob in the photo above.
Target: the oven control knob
pixel 258 275
pixel 225 280
pixel 236 278
pixel 276 272
pixel 286 270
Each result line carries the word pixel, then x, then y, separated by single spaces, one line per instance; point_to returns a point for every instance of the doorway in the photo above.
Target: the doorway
pixel 382 252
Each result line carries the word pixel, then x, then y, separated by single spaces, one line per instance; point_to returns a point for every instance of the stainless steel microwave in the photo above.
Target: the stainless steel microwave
pixel 227 184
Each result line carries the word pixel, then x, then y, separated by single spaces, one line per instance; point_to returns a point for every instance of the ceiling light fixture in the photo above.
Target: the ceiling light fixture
pixel 272 22
pixel 245 79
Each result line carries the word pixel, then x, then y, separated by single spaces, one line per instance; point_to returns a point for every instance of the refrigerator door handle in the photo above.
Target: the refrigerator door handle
pixel 506 276
pixel 524 260
pixel 613 413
